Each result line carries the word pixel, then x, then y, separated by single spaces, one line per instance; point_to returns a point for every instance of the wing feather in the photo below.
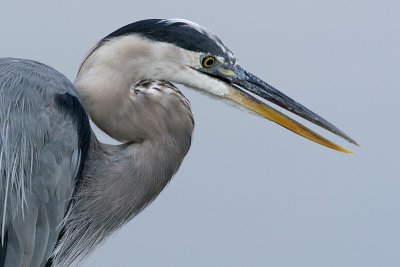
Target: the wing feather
pixel 44 138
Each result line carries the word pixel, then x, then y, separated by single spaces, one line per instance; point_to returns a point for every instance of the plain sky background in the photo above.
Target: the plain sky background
pixel 251 193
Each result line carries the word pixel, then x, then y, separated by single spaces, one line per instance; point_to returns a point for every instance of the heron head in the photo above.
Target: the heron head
pixel 184 52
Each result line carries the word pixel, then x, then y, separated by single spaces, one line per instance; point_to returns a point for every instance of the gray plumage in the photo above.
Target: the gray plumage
pixel 39 159
pixel 119 181
pixel 62 192
pixel 41 162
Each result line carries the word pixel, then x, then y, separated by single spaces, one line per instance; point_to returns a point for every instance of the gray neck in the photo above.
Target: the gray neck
pixel 118 182
pixel 155 122
pixel 125 178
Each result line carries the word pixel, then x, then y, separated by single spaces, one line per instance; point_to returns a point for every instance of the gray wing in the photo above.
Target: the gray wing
pixel 44 138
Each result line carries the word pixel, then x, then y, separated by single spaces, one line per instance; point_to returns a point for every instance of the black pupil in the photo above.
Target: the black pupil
pixel 209 62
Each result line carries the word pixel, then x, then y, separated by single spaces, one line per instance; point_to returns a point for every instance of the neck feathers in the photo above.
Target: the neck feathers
pixel 118 182
pixel 154 120
pixel 109 84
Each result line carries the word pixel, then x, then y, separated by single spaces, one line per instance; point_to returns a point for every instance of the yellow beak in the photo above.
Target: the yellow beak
pixel 250 102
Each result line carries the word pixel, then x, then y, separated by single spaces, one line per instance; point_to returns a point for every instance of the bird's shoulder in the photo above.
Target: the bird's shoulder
pixel 45 135
pixel 40 107
pixel 41 117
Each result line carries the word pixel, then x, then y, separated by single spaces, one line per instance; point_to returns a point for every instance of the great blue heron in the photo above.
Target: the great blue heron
pixel 62 191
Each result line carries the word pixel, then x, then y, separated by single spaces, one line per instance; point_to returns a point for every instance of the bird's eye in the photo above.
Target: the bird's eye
pixel 208 61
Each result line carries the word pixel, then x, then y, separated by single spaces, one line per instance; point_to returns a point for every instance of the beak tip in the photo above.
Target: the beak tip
pixel 353 142
pixel 345 151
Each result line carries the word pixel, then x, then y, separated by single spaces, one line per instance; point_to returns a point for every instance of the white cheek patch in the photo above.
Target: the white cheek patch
pixel 201 82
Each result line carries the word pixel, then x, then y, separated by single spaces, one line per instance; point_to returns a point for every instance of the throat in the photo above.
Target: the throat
pixel 118 182
pixel 133 174
pixel 127 177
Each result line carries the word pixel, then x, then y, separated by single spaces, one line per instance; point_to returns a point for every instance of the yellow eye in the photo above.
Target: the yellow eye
pixel 208 61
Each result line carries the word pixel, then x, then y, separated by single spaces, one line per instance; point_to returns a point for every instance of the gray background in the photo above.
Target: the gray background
pixel 251 193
